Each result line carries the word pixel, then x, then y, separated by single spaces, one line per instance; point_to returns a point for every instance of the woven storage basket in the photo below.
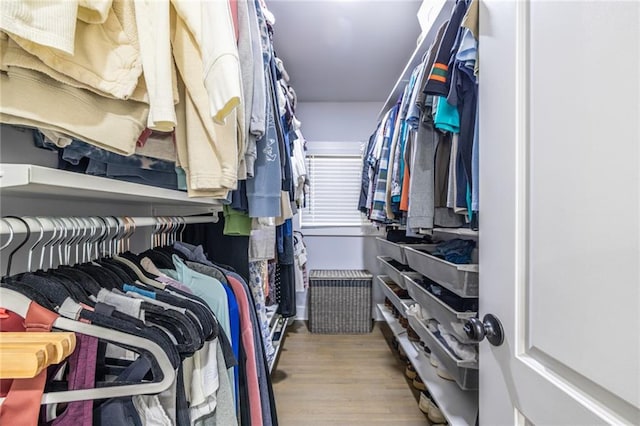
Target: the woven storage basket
pixel 340 301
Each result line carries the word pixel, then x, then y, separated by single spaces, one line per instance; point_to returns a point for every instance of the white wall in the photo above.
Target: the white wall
pixel 331 248
pixel 333 121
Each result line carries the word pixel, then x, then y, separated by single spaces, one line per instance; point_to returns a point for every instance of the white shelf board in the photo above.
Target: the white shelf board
pixel 459 407
pixel 416 57
pixel 458 232
pixel 400 304
pixel 29 179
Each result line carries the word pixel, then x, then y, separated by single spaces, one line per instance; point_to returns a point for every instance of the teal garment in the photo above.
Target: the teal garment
pixel 182 179
pixel 404 134
pixel 447 117
pixel 207 288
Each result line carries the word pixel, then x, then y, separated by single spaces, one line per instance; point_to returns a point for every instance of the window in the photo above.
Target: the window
pixel 334 191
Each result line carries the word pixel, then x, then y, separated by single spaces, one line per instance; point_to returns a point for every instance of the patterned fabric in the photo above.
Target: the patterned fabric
pixel 278 284
pixel 256 272
pixel 271 295
pixel 300 253
pixel 439 72
pixel 379 199
pixel 398 153
pixel 264 33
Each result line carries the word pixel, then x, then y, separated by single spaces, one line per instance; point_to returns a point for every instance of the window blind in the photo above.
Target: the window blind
pixel 334 191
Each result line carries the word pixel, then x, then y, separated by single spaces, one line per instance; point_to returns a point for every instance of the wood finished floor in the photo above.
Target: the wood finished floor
pixel 342 380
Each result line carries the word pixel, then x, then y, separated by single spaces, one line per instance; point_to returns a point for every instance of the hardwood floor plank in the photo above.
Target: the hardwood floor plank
pixel 342 380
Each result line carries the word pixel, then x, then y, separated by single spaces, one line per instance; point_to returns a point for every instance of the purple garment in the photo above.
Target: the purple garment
pixel 82 373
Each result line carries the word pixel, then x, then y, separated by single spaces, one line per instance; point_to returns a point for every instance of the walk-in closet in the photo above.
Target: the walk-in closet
pixel 319 212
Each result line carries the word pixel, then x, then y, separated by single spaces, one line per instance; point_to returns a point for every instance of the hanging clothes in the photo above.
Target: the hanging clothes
pixel 430 165
pixel 212 336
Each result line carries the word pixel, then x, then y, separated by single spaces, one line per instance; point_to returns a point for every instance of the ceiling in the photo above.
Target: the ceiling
pixel 344 50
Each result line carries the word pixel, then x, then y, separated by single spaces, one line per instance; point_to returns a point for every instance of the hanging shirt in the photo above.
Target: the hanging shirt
pixel 439 79
pixel 446 117
pixel 248 342
pixel 263 191
pixel 398 155
pixel 207 288
pixel 379 199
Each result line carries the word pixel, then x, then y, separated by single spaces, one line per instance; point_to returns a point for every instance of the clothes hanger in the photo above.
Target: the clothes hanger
pixel 27 278
pixel 14 251
pixel 130 259
pixel 105 278
pixel 74 276
pixel 35 244
pixel 93 255
pixel 100 257
pixel 19 304
pixel 47 244
pixel 10 239
pixel 161 256
pixel 178 236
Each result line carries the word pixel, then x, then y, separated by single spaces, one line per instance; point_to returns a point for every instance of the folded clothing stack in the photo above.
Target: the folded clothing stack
pixel 457 251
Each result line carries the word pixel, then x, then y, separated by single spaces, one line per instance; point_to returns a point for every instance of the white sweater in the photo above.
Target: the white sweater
pixel 48 23
pixel 211 26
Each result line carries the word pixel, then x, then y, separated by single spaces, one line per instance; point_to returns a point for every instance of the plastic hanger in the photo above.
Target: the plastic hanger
pixel 10 239
pixel 19 304
pixel 129 260
pixel 53 238
pixel 13 252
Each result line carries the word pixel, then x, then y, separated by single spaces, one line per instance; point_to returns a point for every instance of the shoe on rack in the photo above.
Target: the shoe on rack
pixel 434 414
pixel 400 292
pixel 410 372
pixel 465 352
pixel 403 322
pixel 434 360
pixel 419 384
pixel 427 351
pixel 388 303
pixel 413 336
pixel 415 311
pixel 425 401
pixel 444 374
pixel 403 294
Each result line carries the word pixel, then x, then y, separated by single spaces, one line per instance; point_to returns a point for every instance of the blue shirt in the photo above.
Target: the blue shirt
pixel 234 319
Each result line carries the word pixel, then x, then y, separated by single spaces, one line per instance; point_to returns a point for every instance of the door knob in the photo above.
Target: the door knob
pixel 490 327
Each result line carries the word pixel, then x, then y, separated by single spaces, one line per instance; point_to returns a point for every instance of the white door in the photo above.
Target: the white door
pixel 559 221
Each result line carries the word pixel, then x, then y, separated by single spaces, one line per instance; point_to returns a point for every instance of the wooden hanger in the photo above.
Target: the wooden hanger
pixel 19 304
pixel 63 343
pixel 24 355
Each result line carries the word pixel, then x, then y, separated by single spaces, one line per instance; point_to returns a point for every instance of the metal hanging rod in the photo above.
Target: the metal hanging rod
pixel 10 225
